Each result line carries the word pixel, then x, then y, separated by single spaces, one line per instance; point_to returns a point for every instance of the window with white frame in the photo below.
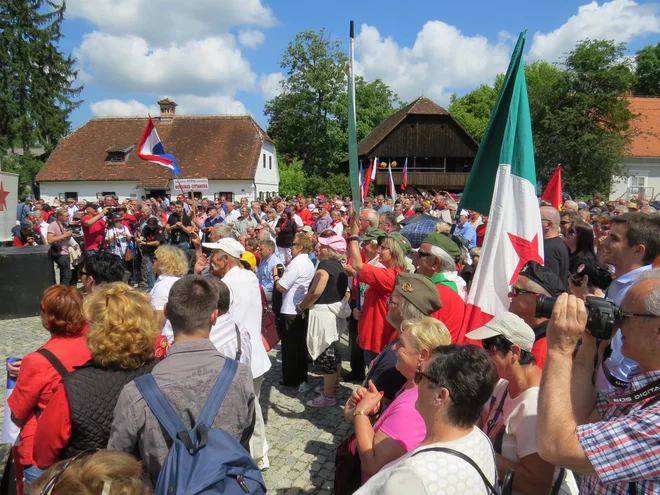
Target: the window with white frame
pixel 637 184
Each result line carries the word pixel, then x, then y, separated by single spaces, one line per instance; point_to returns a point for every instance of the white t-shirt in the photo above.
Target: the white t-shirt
pixel 159 296
pixel 296 279
pixel 514 432
pixel 437 473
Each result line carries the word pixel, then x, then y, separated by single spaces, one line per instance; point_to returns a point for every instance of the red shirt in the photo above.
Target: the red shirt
pixel 408 213
pixel 481 233
pixel 36 383
pixel 374 332
pixel 94 233
pixel 306 216
pixel 45 215
pixel 127 220
pixel 451 313
pixel 540 351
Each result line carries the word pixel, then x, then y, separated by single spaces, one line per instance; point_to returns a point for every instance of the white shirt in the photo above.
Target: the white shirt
pixel 223 336
pixel 117 239
pixel 246 310
pixel 43 228
pixel 298 220
pixel 437 473
pixel 159 296
pixel 339 228
pixel 232 216
pixel 296 279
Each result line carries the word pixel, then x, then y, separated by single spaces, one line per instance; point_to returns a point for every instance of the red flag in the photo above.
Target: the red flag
pixel 404 180
pixel 367 179
pixel 553 191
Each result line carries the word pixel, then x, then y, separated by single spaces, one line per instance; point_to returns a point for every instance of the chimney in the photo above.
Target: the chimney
pixel 167 109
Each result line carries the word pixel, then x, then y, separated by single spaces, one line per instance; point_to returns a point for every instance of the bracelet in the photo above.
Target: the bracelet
pixel 359 413
pixel 354 238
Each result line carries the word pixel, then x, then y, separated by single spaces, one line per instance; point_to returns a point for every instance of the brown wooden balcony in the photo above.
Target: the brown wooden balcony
pixel 435 178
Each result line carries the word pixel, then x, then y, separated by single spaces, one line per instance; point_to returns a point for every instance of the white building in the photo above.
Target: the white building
pixel 233 152
pixel 643 162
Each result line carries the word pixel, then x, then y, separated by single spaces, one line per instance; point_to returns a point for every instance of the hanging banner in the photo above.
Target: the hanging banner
pixel 187 185
pixel 8 202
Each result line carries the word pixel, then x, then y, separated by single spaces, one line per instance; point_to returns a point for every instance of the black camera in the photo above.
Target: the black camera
pixel 113 214
pixel 602 314
pixel 598 277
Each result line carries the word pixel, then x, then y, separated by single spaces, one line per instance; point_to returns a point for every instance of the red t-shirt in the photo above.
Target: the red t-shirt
pixel 306 216
pixel 374 332
pixel 540 351
pixel 451 313
pixel 481 233
pixel 408 213
pixel 36 383
pixel 94 233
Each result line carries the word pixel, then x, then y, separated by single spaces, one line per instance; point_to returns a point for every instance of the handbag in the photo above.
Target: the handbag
pixel 348 467
pixel 269 334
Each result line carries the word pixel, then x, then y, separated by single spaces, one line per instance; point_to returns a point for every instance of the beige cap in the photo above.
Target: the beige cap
pixel 510 326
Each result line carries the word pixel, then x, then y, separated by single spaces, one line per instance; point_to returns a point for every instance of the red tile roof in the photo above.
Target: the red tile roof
pixel 647 141
pixel 212 147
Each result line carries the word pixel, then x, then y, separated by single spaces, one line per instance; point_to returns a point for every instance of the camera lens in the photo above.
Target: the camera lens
pixel 544 305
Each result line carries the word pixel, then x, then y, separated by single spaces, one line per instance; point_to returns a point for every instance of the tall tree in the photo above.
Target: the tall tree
pixel 309 118
pixel 647 71
pixel 473 109
pixel 37 91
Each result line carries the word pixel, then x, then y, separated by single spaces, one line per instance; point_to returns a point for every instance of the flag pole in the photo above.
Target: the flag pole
pixel 352 123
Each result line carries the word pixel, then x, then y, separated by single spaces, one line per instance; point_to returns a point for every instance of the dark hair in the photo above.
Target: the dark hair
pixel 642 229
pixel 224 296
pixel 470 376
pixel 191 301
pixel 585 239
pixel 179 203
pixel 573 216
pixel 499 343
pixel 152 223
pixel 104 267
pixel 391 219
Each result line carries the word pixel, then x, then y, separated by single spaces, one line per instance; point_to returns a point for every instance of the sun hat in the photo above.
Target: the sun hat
pixel 336 242
pixel 230 246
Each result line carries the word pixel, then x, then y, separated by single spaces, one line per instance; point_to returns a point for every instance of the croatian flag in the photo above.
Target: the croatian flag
pixel 360 180
pixel 151 149
pixel 404 180
pixel 392 188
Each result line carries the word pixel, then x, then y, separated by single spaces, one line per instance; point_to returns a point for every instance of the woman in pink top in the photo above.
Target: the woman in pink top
pixel 400 428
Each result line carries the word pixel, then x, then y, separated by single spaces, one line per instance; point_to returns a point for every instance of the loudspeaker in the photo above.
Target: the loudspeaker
pixel 25 272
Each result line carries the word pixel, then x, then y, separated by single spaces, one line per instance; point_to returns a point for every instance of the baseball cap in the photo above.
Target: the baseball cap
pixel 306 229
pixel 373 233
pixel 445 243
pixel 336 242
pixel 250 259
pixel 543 276
pixel 230 246
pixel 419 291
pixel 510 326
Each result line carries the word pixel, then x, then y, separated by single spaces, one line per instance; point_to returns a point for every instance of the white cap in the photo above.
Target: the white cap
pixel 230 246
pixel 465 213
pixel 510 326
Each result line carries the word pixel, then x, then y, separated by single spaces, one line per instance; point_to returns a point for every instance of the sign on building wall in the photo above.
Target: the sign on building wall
pixel 8 202
pixel 187 185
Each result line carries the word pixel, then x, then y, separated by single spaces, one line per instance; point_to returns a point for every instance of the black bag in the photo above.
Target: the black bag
pixel 348 467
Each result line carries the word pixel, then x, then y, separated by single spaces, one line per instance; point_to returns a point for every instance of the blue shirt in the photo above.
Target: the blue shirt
pixel 384 209
pixel 265 272
pixel 209 223
pixel 467 232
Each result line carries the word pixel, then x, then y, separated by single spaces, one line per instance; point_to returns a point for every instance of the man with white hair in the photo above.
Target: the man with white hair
pixel 554 249
pixel 368 218
pixel 244 307
pixel 466 230
pixel 570 206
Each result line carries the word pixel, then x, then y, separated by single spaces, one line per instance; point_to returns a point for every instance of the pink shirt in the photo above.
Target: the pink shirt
pixel 401 422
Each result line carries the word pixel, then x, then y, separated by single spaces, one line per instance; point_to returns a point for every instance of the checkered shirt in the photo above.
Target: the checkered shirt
pixel 623 447
pixel 416 232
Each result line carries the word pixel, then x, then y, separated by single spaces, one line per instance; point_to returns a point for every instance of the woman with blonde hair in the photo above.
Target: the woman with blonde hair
pixel 374 332
pixel 109 472
pixel 170 264
pixel 121 337
pixel 400 428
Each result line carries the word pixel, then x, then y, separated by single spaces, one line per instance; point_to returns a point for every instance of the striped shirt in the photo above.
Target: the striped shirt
pixel 223 336
pixel 624 447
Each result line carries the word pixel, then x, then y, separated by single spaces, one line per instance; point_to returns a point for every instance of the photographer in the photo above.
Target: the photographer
pixel 152 236
pixel 610 438
pixel 179 226
pixel 58 238
pixel 94 224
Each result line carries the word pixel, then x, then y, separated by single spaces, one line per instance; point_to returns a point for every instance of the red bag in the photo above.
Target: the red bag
pixel 269 334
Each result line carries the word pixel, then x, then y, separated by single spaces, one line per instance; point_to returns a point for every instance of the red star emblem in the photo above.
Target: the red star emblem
pixel 526 251
pixel 3 197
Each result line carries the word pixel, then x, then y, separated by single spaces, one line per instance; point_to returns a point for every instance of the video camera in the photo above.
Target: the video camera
pixel 598 277
pixel 113 214
pixel 602 314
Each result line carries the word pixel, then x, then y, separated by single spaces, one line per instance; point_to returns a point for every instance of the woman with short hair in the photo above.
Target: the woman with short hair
pixel 121 336
pixel 169 264
pixel 41 371
pixel 286 230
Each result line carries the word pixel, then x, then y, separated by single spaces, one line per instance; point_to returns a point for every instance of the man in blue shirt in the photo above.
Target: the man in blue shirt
pixel 213 219
pixel 381 206
pixel 265 269
pixel 465 230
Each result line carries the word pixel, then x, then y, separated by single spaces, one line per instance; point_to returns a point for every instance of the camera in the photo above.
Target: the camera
pixel 280 270
pixel 602 314
pixel 598 277
pixel 113 214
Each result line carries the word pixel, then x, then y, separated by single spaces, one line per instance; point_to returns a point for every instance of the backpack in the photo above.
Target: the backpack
pixel 203 459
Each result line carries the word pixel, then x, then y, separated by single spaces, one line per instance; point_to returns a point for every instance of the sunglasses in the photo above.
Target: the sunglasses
pixel 515 291
pixel 570 231
pixel 622 317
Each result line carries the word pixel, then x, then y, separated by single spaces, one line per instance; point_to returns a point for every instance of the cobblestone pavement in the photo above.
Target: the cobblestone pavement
pixel 302 440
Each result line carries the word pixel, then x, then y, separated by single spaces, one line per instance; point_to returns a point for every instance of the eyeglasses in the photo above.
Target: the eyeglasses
pixel 515 291
pixel 624 316
pixel 564 222
pixel 48 487
pixel 419 374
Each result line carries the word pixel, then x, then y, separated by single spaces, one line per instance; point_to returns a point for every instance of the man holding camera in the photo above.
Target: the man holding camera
pixel 180 226
pixel 611 438
pixel 94 224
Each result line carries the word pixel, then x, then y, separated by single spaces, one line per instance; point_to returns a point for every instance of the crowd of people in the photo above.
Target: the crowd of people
pixel 178 293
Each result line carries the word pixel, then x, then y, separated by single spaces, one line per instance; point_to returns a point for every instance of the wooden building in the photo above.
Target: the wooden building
pixel 440 152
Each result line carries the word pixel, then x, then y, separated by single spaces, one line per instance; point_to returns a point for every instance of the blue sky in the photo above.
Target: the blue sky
pixel 222 56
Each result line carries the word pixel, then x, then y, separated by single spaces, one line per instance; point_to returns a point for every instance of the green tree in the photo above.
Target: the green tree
pixel 473 109
pixel 292 177
pixel 647 71
pixel 37 89
pixel 308 120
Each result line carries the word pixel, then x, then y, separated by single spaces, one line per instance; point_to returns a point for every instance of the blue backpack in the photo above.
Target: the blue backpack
pixel 203 459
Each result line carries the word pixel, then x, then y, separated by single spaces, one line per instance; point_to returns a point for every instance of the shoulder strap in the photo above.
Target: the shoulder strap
pixel 239 352
pixel 162 409
pixel 461 455
pixel 52 359
pixel 558 482
pixel 218 393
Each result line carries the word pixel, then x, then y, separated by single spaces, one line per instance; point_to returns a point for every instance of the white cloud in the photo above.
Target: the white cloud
pixel 121 108
pixel 163 21
pixel 441 58
pixel 203 67
pixel 186 105
pixel 618 20
pixel 270 84
pixel 251 38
